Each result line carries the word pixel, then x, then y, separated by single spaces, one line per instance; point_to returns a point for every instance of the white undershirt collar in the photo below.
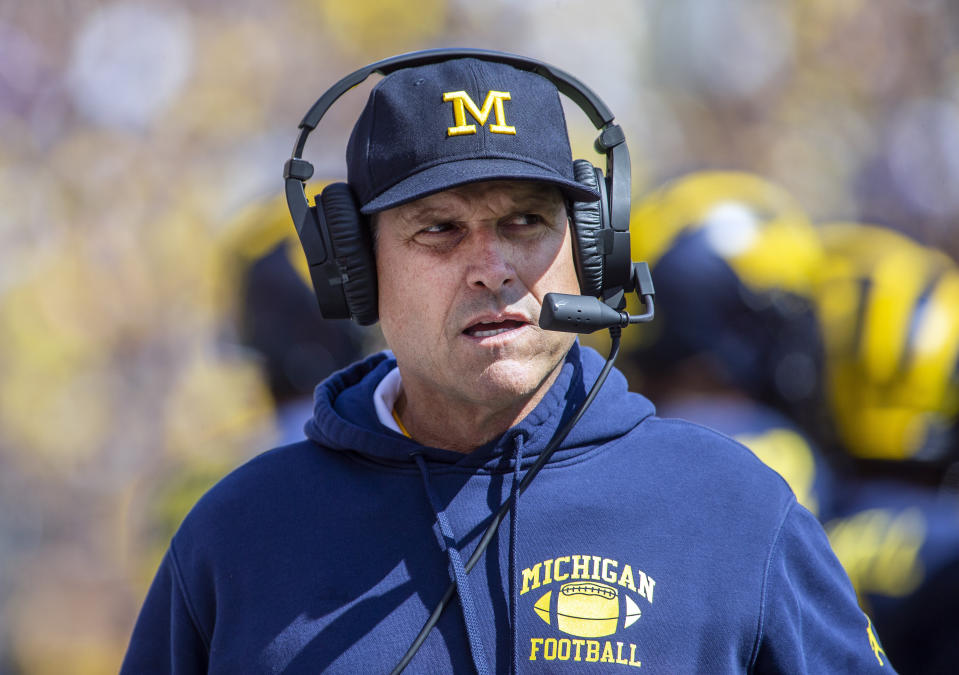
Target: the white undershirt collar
pixel 384 399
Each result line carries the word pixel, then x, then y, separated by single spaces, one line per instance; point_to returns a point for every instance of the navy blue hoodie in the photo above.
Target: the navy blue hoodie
pixel 644 544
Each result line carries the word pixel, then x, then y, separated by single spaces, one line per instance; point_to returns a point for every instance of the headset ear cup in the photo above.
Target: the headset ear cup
pixel 353 251
pixel 587 219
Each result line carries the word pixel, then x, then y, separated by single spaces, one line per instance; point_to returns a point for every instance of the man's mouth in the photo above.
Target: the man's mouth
pixel 485 329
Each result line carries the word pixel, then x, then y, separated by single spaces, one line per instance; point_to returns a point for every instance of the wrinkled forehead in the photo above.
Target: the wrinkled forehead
pixel 492 198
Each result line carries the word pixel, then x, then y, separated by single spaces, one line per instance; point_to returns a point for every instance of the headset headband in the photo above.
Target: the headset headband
pixel 611 140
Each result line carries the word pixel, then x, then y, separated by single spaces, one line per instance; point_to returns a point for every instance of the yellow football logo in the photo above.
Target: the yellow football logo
pixel 587 609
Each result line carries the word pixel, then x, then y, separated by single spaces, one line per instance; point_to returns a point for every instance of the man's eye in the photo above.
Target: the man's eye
pixel 438 228
pixel 525 221
pixel 439 235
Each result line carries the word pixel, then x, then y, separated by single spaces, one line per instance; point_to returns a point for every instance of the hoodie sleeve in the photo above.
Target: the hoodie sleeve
pixel 810 620
pixel 166 638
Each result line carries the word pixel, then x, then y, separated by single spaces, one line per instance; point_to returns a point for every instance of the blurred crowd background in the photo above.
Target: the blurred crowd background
pixel 155 330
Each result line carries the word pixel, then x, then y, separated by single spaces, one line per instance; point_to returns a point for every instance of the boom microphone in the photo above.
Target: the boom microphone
pixel 578 314
pixel 586 314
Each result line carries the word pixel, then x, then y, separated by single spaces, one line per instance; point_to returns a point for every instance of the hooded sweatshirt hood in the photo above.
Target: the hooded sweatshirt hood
pixel 344 417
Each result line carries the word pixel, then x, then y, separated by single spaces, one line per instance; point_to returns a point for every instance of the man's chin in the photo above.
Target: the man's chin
pixel 514 379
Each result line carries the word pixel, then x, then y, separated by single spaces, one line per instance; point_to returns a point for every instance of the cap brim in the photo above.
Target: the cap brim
pixel 473 170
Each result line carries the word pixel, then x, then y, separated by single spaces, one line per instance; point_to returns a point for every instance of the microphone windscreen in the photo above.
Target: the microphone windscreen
pixel 577 314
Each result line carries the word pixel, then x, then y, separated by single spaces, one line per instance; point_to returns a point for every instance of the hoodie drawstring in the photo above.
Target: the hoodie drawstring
pixel 459 574
pixel 513 561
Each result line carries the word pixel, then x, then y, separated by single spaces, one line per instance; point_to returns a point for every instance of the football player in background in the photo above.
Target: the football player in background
pixel 276 316
pixel 889 311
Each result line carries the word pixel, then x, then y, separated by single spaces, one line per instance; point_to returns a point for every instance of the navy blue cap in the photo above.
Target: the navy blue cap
pixel 433 127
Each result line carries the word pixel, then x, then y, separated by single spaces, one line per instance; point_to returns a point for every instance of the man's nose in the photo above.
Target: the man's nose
pixel 490 260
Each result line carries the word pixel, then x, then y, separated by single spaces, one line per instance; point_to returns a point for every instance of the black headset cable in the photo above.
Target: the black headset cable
pixel 558 437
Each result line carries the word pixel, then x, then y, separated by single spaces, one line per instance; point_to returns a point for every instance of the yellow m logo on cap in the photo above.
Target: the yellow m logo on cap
pixel 463 103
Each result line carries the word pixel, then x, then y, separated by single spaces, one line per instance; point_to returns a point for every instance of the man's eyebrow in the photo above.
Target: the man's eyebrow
pixel 542 200
pixel 420 212
pixel 539 196
pixel 528 198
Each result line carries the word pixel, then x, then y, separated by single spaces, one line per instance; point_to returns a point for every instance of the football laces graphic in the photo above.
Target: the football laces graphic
pixel 587 609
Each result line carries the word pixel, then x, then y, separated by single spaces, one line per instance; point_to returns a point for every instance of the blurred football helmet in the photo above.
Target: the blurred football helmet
pixel 276 312
pixel 889 310
pixel 733 257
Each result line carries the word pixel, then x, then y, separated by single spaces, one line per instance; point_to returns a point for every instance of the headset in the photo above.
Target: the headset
pixel 336 237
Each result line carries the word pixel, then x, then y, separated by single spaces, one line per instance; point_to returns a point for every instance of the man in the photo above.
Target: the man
pixel 643 543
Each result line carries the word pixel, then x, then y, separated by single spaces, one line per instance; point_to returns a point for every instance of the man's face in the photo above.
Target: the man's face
pixel 462 275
